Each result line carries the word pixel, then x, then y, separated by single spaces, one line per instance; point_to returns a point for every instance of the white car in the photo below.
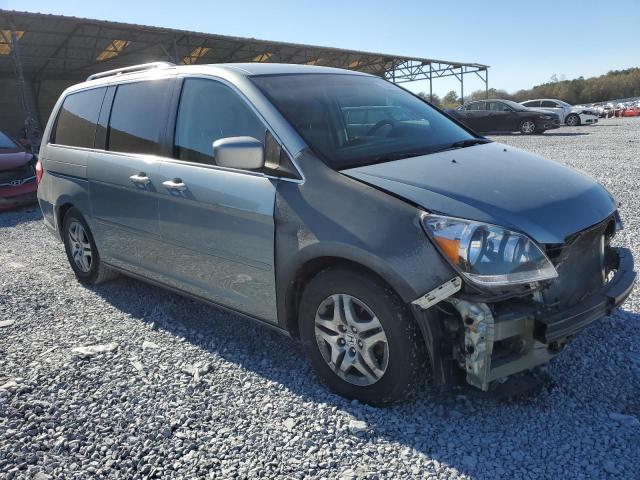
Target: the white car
pixel 569 115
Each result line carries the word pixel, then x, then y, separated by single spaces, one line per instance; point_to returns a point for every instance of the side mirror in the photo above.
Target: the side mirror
pixel 246 153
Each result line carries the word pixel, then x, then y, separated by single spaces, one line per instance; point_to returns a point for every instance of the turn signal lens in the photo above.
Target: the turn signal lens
pixel 450 248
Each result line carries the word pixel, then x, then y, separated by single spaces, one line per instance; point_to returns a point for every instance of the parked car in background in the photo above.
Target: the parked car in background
pixel 504 116
pixel 569 115
pixel 17 174
pixel 609 110
pixel 631 111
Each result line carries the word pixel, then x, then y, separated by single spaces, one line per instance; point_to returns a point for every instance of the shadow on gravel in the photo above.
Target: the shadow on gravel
pixel 453 428
pixel 13 217
pixel 565 134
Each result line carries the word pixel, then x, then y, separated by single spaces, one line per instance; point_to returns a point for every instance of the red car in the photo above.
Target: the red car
pixel 631 112
pixel 17 174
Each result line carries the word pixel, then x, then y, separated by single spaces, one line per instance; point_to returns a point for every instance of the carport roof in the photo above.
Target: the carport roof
pixel 55 46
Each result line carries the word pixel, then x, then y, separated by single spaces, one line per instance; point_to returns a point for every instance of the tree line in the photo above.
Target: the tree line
pixel 613 85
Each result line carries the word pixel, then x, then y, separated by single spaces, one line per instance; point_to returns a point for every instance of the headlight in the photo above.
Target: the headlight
pixel 545 117
pixel 487 254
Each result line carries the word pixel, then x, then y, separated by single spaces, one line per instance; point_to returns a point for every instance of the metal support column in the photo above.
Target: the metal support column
pixel 462 85
pixel 176 59
pixel 31 123
pixel 431 83
pixel 486 83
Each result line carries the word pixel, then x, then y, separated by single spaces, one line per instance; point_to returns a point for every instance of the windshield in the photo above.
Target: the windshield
pixel 356 120
pixel 6 142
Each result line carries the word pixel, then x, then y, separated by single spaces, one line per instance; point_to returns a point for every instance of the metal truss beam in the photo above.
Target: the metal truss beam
pixel 411 71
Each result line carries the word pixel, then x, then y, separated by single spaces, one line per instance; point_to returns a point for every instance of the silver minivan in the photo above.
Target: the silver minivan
pixel 394 242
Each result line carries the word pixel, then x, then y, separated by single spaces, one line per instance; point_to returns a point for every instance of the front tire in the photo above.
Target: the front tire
pixel 527 127
pixel 360 337
pixel 572 120
pixel 82 252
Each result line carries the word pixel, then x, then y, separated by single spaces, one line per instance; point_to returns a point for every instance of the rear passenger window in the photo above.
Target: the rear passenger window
pixel 531 104
pixel 549 104
pixel 209 111
pixel 137 117
pixel 76 122
pixel 476 106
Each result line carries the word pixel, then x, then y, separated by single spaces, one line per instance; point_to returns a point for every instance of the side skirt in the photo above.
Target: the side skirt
pixel 255 320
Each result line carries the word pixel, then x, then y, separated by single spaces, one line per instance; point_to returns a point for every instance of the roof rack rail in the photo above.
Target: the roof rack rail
pixel 130 69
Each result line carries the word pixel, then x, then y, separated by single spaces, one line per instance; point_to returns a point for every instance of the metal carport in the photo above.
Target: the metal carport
pixel 42 54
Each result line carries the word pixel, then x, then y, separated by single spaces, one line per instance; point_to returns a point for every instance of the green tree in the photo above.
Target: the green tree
pixel 611 86
pixel 451 100
pixel 435 101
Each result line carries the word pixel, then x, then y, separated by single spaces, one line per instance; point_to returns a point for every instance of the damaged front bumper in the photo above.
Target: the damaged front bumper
pixel 484 342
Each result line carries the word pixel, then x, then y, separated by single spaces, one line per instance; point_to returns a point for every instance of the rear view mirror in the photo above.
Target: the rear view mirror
pixel 245 153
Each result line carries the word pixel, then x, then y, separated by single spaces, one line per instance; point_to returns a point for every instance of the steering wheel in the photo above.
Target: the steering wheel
pixel 379 125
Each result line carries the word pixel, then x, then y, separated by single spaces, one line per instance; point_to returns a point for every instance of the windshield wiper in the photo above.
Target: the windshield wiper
pixel 464 143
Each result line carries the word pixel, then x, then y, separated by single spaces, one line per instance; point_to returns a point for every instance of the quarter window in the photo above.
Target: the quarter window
pixel 137 117
pixel 209 111
pixel 76 122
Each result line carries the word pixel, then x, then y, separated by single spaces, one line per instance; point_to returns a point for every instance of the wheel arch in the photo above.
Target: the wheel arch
pixel 311 264
pixel 61 211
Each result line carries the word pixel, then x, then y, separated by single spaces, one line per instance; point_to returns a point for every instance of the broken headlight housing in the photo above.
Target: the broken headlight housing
pixel 487 254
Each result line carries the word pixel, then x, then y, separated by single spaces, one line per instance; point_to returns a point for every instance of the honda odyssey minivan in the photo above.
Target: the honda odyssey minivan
pixel 393 241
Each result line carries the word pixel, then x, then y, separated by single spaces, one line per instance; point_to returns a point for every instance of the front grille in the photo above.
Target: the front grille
pixel 20 173
pixel 579 262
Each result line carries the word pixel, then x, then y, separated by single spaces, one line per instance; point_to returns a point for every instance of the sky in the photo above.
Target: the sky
pixel 524 43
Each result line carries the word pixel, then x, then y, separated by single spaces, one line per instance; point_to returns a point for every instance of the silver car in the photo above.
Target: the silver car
pixel 392 240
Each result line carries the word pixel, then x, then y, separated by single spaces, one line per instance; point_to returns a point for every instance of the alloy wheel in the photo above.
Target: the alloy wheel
pixel 572 120
pixel 351 339
pixel 80 246
pixel 528 127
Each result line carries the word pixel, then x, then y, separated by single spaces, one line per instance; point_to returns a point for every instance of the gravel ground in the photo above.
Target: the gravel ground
pixel 182 390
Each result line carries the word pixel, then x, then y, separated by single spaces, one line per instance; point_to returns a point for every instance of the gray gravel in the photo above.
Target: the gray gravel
pixel 174 389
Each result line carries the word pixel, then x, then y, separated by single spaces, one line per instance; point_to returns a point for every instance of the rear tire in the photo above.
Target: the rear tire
pixel 82 252
pixel 360 337
pixel 527 127
pixel 572 120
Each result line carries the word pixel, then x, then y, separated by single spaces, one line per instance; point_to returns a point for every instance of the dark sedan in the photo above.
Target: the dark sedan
pixel 504 116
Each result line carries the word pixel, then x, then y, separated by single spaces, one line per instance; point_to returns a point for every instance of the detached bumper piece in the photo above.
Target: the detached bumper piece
pixel 558 326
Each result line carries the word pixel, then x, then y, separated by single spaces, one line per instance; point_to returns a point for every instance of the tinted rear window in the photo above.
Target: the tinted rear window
pixel 137 117
pixel 76 122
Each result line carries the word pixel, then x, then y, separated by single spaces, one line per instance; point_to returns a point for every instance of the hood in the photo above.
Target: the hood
pixel 496 184
pixel 11 159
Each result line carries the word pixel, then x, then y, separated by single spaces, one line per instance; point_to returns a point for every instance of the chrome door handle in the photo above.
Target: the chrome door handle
pixel 175 184
pixel 140 178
